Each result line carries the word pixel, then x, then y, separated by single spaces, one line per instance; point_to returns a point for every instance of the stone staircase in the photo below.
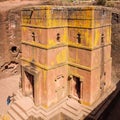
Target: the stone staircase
pixel 67 106
pixel 18 109
pixel 16 113
pixel 72 109
pixel 23 108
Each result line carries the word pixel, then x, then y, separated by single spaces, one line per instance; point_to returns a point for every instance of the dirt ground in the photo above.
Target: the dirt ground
pixel 7 87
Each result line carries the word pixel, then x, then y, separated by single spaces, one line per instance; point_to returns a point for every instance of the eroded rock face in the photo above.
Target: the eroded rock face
pixel 10 36
pixel 116 46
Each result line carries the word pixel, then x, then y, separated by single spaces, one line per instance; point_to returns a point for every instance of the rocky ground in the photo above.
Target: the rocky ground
pixel 116 46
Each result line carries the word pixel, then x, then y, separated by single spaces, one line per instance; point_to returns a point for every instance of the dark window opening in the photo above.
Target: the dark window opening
pixel 104 73
pixel 78 38
pixel 33 36
pixel 103 12
pixel 102 38
pixel 58 37
pixel 14 49
pixel 77 85
pixel 6 67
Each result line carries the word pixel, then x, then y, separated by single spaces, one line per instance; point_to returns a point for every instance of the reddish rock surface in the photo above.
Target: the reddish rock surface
pixel 10 35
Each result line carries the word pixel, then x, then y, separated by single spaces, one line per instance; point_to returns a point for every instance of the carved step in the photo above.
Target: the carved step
pixel 18 95
pixel 54 113
pixel 13 115
pixel 67 113
pixel 19 111
pixel 10 117
pixel 71 110
pixel 81 116
pixel 44 114
pixel 36 113
pixel 73 104
pixel 25 104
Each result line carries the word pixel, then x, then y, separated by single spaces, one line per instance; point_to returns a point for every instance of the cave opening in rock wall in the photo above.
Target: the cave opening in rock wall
pixel 14 49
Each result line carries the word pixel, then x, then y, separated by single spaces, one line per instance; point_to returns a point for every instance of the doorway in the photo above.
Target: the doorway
pixel 30 79
pixel 76 86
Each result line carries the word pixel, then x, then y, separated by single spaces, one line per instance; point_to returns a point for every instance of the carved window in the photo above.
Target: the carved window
pixel 103 13
pixel 33 36
pixel 104 73
pixel 79 38
pixel 58 37
pixel 102 38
